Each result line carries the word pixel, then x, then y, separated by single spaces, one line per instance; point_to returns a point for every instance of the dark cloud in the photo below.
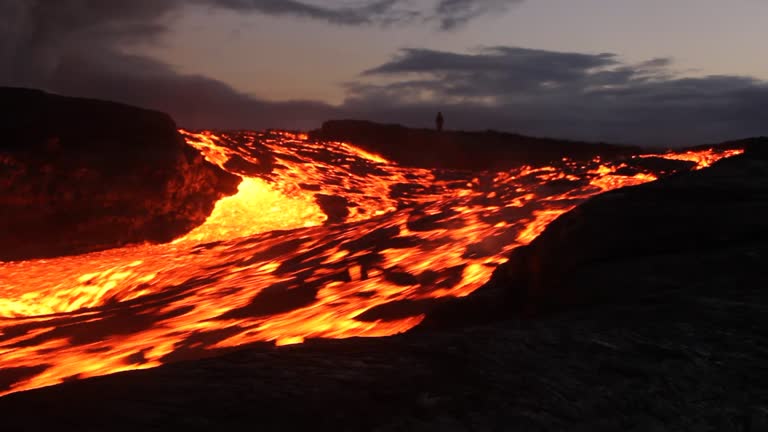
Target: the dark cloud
pixel 193 101
pixel 36 34
pixel 381 11
pixel 574 95
pixel 450 14
pixel 492 60
pixel 456 13
pixel 78 47
pixel 491 70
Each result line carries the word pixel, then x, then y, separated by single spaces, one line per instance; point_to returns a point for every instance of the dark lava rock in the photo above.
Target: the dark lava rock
pixel 657 165
pixel 397 309
pixel 459 149
pixel 336 207
pixel 80 175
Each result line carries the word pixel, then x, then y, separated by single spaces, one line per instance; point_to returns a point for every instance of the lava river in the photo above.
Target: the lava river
pixel 322 240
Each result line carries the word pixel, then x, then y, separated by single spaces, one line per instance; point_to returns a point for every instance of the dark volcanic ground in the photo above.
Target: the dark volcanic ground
pixel 665 337
pixel 462 149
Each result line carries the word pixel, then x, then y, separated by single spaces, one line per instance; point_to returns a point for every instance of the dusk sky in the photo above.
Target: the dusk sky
pixel 671 72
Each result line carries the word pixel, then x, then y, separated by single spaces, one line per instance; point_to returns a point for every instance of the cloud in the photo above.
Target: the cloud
pixel 494 70
pixel 456 13
pixel 193 101
pixel 375 12
pixel 78 47
pixel 571 95
pixel 449 14
pixel 36 34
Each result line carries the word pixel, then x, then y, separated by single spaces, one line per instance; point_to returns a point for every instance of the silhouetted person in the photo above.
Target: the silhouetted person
pixel 439 121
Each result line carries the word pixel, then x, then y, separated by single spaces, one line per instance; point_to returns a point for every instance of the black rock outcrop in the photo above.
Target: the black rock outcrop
pixel 461 150
pixel 80 175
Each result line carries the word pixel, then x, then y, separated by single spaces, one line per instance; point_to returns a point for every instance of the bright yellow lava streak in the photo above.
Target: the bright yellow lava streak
pixel 262 208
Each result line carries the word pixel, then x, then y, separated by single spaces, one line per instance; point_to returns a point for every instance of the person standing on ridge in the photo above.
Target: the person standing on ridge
pixel 439 120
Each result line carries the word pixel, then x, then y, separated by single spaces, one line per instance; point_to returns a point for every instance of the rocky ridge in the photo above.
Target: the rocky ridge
pixel 487 150
pixel 80 175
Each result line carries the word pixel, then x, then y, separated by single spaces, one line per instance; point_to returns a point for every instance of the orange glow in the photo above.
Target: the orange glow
pixel 266 265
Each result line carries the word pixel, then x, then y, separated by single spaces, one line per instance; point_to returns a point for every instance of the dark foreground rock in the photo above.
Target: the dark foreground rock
pixel 79 175
pixel 461 150
pixel 664 327
pixel 692 362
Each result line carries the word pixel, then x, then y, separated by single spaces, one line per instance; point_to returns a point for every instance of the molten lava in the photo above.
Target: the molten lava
pixel 268 266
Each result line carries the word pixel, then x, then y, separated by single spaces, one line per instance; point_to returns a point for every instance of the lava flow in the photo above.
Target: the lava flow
pixel 323 239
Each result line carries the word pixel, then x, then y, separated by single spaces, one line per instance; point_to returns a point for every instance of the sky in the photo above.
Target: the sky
pixel 656 72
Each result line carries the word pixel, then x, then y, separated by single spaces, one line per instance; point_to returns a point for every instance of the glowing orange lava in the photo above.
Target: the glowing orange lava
pixel 702 159
pixel 267 265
